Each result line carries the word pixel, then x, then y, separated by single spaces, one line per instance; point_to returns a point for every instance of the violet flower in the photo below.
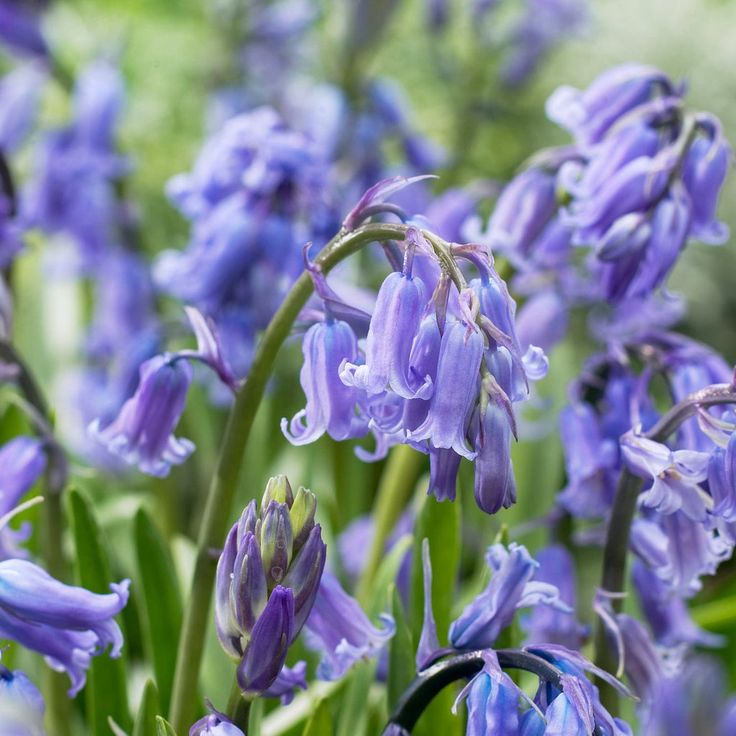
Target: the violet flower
pixel 68 625
pixel 215 724
pixel 492 700
pixel 21 705
pixel 675 476
pixel 339 629
pixel 142 432
pixel 511 587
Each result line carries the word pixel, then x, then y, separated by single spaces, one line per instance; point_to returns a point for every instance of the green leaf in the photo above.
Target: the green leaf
pixel 145 721
pixel 106 692
pixel 320 722
pixel 402 667
pixel 386 574
pixel 440 524
pixel 162 598
pixel 163 727
pixel 354 710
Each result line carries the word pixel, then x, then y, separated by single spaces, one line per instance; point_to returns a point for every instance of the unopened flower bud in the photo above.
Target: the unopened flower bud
pixel 277 542
pixel 302 516
pixel 279 490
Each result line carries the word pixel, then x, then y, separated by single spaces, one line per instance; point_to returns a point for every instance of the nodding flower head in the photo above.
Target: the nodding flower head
pixel 68 625
pixel 267 579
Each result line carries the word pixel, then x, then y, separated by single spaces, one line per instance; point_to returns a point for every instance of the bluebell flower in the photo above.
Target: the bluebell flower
pixel 68 625
pixel 20 28
pixel 19 97
pixel 21 705
pixel 722 480
pixel 666 613
pixel 511 587
pixel 492 700
pixel 330 402
pixel 142 432
pixel 675 476
pixel 706 165
pixel 394 324
pixel 22 460
pixel 339 629
pixel 73 188
pixel 455 390
pixel 547 624
pixel 590 114
pixel 215 724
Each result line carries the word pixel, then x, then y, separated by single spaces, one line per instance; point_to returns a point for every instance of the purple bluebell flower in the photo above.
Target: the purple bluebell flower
pixel 727 724
pixel 267 580
pixel 675 476
pixel 722 480
pixel 394 325
pixel 546 624
pixel 287 682
pixel 20 27
pixel 19 97
pixel 21 705
pixel 491 429
pixel 666 613
pixel 525 206
pixel 22 460
pixel 338 628
pixel 542 321
pixel 444 465
pixel 511 587
pixel 215 724
pixel 492 700
pixel 330 403
pixel 590 114
pixel 455 390
pixel 142 432
pixel 68 625
pixel 706 165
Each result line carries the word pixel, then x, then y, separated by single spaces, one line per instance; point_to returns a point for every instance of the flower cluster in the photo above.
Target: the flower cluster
pixel 439 370
pixel 257 193
pixel 567 704
pixel 603 221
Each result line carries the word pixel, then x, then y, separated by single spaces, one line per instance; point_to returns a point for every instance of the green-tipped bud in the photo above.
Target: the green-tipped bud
pixel 302 516
pixel 279 490
pixel 277 542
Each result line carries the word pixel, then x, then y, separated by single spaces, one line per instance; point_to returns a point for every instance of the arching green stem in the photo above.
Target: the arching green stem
pixel 224 481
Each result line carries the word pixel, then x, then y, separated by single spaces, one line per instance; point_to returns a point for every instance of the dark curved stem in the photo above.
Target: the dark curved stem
pixel 622 514
pixel 435 678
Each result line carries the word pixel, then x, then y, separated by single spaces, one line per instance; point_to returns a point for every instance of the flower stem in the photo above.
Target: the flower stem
pixel 57 701
pixel 238 708
pixel 616 548
pixel 224 481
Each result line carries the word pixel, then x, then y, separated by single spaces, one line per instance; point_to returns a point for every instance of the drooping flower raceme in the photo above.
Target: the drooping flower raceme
pixel 440 368
pixel 68 625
